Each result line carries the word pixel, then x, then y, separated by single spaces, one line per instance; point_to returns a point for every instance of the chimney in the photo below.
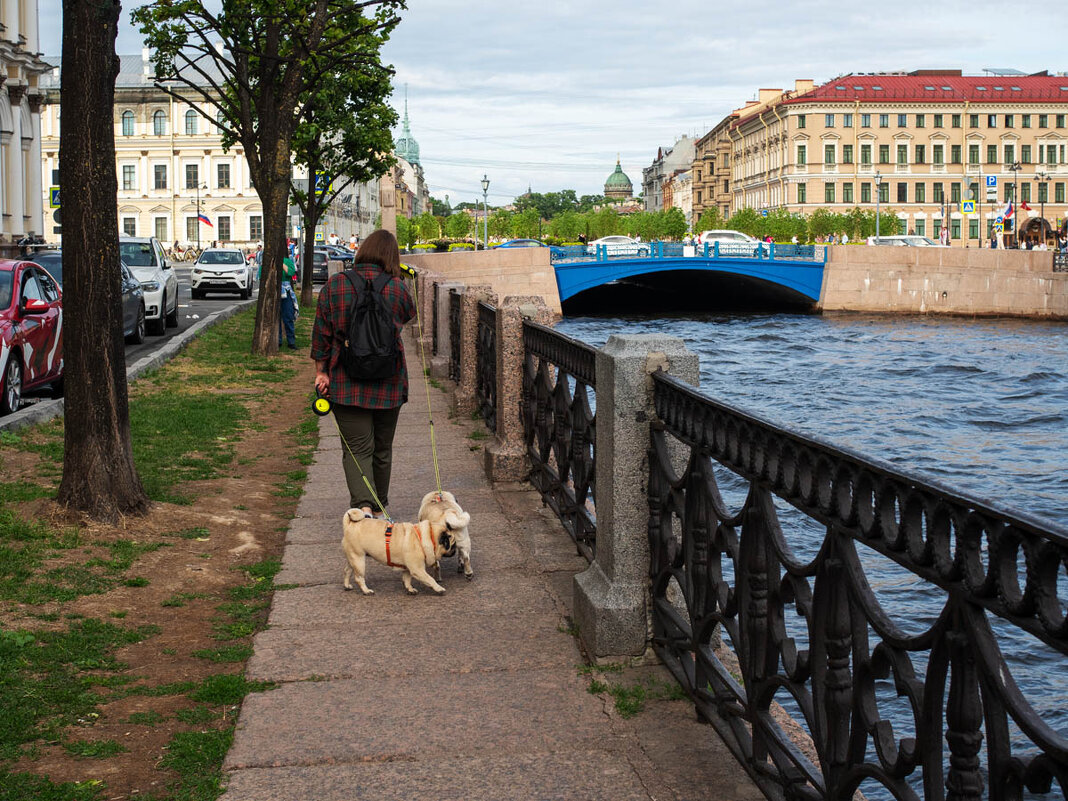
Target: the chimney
pixel 146 62
pixel 767 95
pixel 803 86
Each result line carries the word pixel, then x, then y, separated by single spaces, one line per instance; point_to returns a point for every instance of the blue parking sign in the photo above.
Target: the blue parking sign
pixel 992 180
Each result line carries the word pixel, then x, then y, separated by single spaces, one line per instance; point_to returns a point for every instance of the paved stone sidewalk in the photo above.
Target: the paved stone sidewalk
pixel 474 695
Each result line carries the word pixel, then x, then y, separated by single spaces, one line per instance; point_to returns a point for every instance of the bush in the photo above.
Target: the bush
pixel 425 247
pixel 461 246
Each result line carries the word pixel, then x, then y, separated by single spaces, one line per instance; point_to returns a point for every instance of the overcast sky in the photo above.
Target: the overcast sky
pixel 547 94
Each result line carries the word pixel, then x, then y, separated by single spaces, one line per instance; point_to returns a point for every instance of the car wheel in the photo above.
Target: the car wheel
pixel 57 388
pixel 197 294
pixel 158 326
pixel 11 386
pixel 172 317
pixel 138 335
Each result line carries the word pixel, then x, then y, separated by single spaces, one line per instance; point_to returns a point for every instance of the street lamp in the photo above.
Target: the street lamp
pixel 1015 167
pixel 878 197
pixel 1043 178
pixel 199 186
pixel 485 212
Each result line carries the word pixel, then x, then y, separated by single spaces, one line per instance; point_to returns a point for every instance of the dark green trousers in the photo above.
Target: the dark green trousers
pixel 369 436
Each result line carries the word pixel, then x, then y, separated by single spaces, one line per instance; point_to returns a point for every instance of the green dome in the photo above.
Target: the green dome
pixel 618 180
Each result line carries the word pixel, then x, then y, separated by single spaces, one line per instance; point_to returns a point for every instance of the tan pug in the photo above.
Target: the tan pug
pixel 410 547
pixel 442 507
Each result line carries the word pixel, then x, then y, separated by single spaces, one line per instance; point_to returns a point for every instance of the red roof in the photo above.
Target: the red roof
pixel 935 88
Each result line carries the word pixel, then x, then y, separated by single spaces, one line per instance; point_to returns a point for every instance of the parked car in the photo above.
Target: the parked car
pixel 521 243
pixel 724 235
pixel 904 241
pixel 221 270
pixel 51 260
pixel 341 254
pixel 31 332
pixel 618 246
pixel 146 259
pixel 320 267
pixel 133 307
pixel 733 243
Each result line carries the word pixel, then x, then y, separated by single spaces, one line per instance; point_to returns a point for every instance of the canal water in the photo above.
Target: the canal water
pixel 980 405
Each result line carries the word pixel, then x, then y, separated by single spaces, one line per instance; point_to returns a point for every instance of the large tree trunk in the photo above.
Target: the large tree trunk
pixel 312 214
pixel 275 201
pixel 99 476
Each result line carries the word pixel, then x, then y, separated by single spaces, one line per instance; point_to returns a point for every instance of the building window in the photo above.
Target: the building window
pixel 1025 120
pixel 802 190
pixel 802 155
pixel 989 229
pixel 884 192
pixel 222 175
pixel 159 176
pixel 936 225
pixel 902 155
pixel 902 120
pixel 1060 120
pixel 921 193
pixel 1025 191
pixel 159 123
pixel 847 120
pixel 884 154
pixel 224 229
pixel 129 226
pixel 191 123
pixel 884 120
pixel 255 227
pixel 1008 191
pixel 847 193
pixel 828 155
pixel 954 192
pixel 937 152
pixel 936 192
pixel 726 186
pixel 127 123
pixel 921 120
pixel 865 155
pixel 938 120
pixel 1010 121
pixel 800 120
pixel 865 193
pixel 192 229
pixel 828 120
pixel 991 154
pixel 160 225
pixel 192 176
pixel 1043 120
pixel 1025 154
pixel 902 193
pixel 847 154
pixel 973 154
pixel 1010 154
pixel 954 229
pixel 1043 193
pixel 954 154
pixel 920 227
pixel 828 193
pixel 973 191
pixel 865 120
pixel 220 120
pixel 1058 193
pixel 973 229
pixel 991 120
pixel 129 177
pixel 954 121
pixel 921 154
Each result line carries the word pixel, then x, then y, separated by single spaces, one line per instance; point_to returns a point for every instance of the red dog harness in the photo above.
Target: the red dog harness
pixel 389 535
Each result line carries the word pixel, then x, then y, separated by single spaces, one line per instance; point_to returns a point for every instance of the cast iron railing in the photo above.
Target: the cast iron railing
pixel 434 320
pixel 1060 262
pixel 486 365
pixel 804 629
pixel 455 301
pixel 559 428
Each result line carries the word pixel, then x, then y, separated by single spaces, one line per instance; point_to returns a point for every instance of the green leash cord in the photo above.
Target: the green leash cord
pixel 426 378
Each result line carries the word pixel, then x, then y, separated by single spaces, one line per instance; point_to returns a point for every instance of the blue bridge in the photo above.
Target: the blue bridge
pixel 797 269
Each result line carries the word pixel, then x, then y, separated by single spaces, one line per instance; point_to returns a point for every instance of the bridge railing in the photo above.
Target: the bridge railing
pixel 769 251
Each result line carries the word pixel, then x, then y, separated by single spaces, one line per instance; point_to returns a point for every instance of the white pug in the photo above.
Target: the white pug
pixel 441 507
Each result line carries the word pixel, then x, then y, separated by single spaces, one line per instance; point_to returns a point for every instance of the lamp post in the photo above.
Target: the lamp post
pixel 878 197
pixel 1015 167
pixel 199 186
pixel 1043 178
pixel 485 212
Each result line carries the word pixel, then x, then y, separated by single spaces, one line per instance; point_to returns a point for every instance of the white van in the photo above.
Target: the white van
pixel 904 241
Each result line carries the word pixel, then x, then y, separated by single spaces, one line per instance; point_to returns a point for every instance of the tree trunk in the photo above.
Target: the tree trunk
pixel 99 477
pixel 312 213
pixel 275 216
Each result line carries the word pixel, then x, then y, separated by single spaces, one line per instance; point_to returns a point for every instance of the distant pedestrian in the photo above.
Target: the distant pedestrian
pixel 845 239
pixel 288 314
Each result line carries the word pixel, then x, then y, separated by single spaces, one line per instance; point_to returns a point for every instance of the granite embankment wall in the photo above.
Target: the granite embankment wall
pixel 963 281
pixel 510 271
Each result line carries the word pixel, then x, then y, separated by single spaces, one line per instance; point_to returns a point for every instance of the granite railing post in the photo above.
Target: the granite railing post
pixel 424 286
pixel 506 457
pixel 611 597
pixel 439 364
pixel 467 389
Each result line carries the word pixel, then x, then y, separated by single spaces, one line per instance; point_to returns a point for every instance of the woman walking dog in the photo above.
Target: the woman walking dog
pixel 366 410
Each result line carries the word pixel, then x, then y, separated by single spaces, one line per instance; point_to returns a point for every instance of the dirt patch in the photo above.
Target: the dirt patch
pixel 188 559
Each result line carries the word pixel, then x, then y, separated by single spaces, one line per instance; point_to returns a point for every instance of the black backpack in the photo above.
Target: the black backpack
pixel 369 351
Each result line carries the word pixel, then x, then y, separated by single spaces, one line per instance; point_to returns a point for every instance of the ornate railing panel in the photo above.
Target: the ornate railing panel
pixel 1060 262
pixel 813 634
pixel 559 428
pixel 486 365
pixel 455 302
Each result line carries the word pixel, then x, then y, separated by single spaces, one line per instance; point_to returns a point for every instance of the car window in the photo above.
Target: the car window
pixel 30 289
pixel 137 254
pixel 48 286
pixel 221 257
pixel 53 263
pixel 7 281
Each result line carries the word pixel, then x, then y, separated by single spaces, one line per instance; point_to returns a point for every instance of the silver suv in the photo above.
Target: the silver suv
pixel 145 257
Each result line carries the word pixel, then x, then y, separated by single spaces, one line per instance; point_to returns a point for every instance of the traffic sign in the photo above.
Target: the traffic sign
pixel 999 220
pixel 967 207
pixel 763 212
pixel 991 182
pixel 53 197
pixel 322 183
pixel 320 236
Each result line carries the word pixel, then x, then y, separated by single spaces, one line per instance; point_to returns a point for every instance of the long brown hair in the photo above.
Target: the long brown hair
pixel 380 248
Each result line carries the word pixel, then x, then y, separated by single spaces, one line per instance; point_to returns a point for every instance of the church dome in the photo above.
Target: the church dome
pixel 406 147
pixel 618 185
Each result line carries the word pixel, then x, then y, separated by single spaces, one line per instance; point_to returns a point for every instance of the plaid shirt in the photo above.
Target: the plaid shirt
pixel 331 328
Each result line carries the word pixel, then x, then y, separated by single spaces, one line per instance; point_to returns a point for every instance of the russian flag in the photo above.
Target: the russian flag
pixel 1008 210
pixel 204 219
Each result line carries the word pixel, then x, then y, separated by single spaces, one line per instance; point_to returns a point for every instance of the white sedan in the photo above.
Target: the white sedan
pixel 221 270
pixel 618 246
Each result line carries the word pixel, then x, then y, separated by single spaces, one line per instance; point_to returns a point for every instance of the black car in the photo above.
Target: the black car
pixel 133 306
pixel 338 253
pixel 52 261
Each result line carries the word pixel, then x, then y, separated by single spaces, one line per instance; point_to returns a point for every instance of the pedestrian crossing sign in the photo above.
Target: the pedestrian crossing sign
pixel 53 197
pixel 967 207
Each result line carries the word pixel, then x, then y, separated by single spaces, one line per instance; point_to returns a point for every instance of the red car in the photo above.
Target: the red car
pixel 31 332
